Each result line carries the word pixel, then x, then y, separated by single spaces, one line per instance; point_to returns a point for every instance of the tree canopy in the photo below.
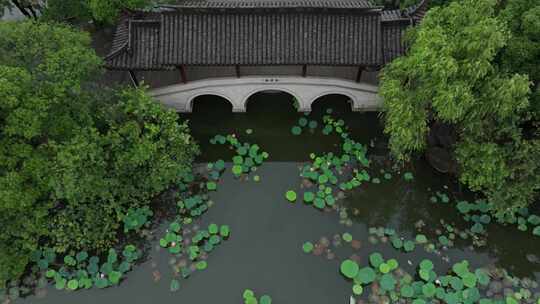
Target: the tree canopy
pixel 74 157
pixel 451 75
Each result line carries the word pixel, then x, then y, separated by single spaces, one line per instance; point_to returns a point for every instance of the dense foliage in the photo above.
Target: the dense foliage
pixel 102 11
pixel 451 75
pixel 73 161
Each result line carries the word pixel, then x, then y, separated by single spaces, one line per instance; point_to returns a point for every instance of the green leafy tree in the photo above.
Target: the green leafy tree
pixel 522 52
pixel 449 75
pixel 74 157
pixel 42 69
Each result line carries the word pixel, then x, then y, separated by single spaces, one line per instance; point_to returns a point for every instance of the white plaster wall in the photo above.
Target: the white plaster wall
pixel 238 90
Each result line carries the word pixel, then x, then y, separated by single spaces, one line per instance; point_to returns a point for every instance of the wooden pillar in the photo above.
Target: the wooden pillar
pixel 304 70
pixel 133 77
pixel 237 67
pixel 359 74
pixel 183 75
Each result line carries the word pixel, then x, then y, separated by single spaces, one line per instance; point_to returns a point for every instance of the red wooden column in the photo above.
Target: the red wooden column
pixel 183 75
pixel 359 74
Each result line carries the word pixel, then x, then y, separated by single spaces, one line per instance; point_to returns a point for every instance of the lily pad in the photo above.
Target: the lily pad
pixel 366 275
pixel 296 130
pixel 211 186
pixel 265 299
pixel 291 196
pixel 73 284
pixel 357 289
pixel 388 282
pixel 349 268
pixel 175 285
pixel 408 176
pixel 376 259
pixel 307 247
pixel 224 231
pixel 309 196
pixel 347 237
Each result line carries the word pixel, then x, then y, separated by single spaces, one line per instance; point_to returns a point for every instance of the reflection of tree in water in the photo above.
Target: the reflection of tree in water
pixel 400 204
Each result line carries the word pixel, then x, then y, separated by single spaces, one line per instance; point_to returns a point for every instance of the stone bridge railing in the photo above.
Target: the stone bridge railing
pixel 306 90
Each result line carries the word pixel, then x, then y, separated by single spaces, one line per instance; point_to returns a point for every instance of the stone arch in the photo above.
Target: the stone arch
pixel 352 100
pixel 300 101
pixel 191 100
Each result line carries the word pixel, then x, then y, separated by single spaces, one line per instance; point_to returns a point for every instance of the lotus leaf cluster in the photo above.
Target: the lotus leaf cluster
pixel 82 271
pixel 248 156
pixel 136 218
pixel 250 298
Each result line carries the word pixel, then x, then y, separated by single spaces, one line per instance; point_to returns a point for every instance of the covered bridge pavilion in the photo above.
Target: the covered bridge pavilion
pixel 235 48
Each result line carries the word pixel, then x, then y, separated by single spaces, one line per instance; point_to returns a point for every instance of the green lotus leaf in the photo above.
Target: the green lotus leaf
pixel 307 247
pixel 407 291
pixel 81 256
pixel 393 264
pixel 248 293
pixel 60 283
pixel 426 264
pixel 429 290
pixel 397 242
pixel 302 122
pixel 296 130
pixel 461 268
pixel 201 265
pixel 237 169
pixel 408 246
pixel 384 268
pixel 73 285
pixel 213 228
pixel 388 282
pixel 114 277
pixel 347 237
pixel 357 289
pixel 290 196
pixel 376 259
pixel 211 186
pixel 349 269
pixel 365 275
pixel 421 239
pixel 265 299
pixel 309 197
pixel 424 274
pixel 175 285
pixel 224 231
pixel 101 282
pixel 469 280
pixel 408 176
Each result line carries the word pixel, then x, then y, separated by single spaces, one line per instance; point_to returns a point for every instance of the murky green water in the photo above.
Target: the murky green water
pixel 264 250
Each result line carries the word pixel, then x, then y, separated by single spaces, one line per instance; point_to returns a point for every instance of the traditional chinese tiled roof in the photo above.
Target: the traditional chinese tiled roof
pixel 236 32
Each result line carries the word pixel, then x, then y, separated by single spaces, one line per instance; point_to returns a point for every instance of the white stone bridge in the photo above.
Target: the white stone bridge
pixel 363 97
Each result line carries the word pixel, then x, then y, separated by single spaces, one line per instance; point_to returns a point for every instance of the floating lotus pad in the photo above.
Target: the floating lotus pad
pixel 309 196
pixel 290 196
pixel 307 247
pixel 296 130
pixel 349 269
pixel 347 237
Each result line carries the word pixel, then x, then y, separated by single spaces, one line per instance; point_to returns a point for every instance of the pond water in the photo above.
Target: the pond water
pixel 264 251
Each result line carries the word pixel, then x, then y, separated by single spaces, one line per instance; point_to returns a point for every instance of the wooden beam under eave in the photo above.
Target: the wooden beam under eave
pixel 237 68
pixel 133 78
pixel 304 70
